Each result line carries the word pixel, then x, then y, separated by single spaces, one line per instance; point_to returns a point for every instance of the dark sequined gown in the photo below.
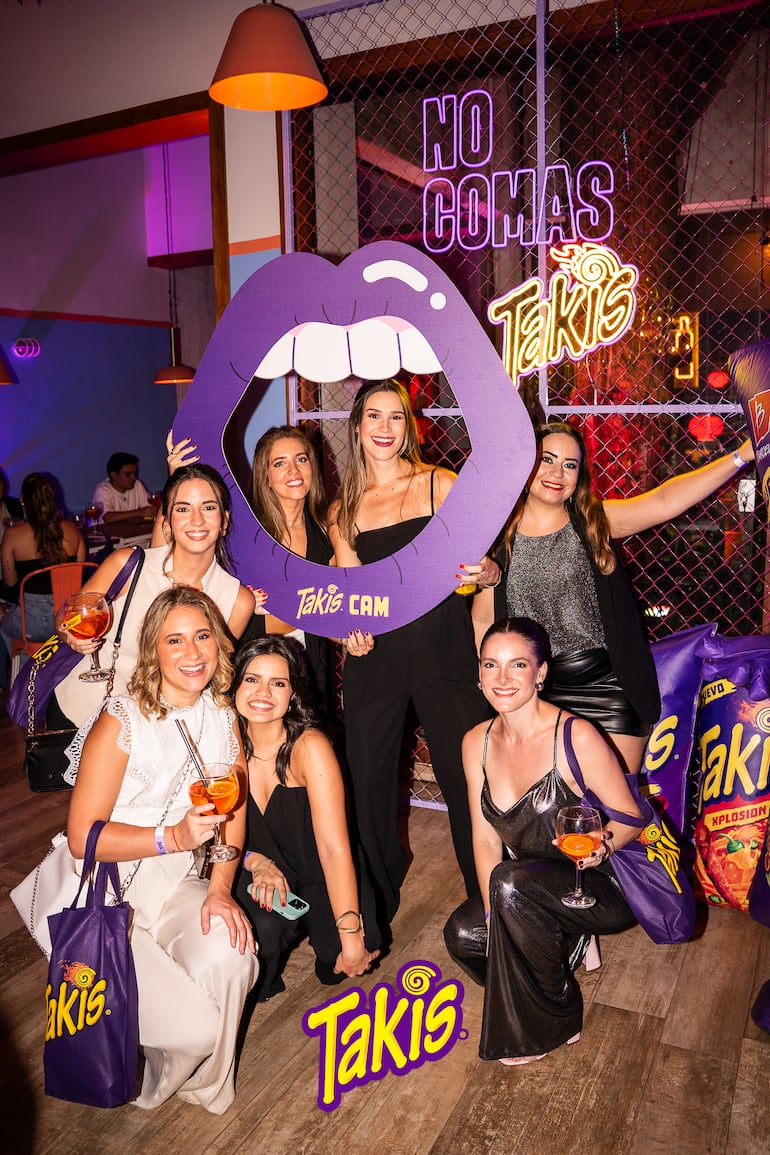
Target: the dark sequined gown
pixel 532 1000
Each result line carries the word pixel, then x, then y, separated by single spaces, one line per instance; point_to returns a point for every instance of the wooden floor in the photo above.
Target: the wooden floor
pixel 669 1060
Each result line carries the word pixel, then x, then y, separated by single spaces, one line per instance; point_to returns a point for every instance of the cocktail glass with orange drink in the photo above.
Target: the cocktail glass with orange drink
pixel 220 787
pixel 86 616
pixel 578 834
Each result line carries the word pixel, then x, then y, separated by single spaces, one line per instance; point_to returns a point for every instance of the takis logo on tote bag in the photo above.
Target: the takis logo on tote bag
pixel 92 1007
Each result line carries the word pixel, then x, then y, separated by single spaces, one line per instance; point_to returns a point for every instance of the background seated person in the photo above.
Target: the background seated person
pixel 122 495
pixel 10 507
pixel 43 539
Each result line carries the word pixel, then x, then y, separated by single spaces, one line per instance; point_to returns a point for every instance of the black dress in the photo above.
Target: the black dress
pixel 285 833
pixel 432 662
pixel 532 1000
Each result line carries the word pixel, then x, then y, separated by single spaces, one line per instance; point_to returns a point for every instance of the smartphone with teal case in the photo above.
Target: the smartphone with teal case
pixel 295 906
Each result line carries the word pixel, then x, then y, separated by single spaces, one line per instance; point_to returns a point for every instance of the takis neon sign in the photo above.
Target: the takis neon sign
pixel 589 301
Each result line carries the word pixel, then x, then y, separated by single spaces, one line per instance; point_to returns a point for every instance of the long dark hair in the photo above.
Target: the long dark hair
pixel 266 505
pixel 217 483
pixel 300 715
pixel 585 509
pixel 37 498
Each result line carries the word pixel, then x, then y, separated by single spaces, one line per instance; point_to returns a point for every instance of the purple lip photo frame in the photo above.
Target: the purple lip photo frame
pixel 407 292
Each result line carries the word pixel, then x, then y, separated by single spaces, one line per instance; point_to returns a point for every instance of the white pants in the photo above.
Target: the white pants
pixel 192 988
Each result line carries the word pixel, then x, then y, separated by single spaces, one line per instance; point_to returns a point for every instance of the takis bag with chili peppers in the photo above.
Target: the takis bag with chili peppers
pixel 734 789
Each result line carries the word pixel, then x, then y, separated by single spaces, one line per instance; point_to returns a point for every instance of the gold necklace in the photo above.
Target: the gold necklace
pixel 259 757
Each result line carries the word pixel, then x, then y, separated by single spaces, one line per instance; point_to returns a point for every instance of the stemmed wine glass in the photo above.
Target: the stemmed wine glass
pixel 93 512
pixel 86 616
pixel 578 833
pixel 221 787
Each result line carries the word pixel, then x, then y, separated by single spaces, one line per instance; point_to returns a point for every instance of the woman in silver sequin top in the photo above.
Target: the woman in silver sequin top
pixel 560 569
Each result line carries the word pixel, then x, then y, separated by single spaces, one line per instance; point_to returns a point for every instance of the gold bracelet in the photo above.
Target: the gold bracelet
pixel 350 929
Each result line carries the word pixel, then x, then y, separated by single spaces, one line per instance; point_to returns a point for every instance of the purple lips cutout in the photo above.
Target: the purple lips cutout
pixel 299 288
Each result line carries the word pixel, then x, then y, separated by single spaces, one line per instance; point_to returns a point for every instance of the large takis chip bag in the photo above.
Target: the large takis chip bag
pixel 734 789
pixel 667 757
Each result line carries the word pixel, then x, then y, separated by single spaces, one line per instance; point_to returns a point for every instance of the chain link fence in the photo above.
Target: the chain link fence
pixel 466 130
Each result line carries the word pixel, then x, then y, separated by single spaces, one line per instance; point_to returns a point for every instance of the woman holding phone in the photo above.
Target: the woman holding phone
pixel 297 835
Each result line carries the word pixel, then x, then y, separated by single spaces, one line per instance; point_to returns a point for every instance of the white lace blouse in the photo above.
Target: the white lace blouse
pixel 159 766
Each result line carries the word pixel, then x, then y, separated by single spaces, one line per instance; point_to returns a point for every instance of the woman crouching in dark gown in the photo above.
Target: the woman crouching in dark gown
pixel 518 939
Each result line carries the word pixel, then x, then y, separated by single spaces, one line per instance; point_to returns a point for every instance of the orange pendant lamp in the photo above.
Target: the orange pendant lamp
pixel 267 63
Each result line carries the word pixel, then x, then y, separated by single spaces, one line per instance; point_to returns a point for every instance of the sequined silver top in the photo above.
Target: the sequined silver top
pixel 550 580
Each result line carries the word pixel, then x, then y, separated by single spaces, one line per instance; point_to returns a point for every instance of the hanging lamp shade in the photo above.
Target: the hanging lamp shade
pixel 176 373
pixel 267 63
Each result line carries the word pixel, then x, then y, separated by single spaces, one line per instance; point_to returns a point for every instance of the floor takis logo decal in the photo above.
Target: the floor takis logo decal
pixel 391 1030
pixel 79 1002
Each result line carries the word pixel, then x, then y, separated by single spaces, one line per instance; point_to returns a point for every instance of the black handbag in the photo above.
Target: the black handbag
pixel 45 760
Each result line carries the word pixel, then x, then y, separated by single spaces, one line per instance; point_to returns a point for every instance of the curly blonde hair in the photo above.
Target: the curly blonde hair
pixel 585 509
pixel 145 682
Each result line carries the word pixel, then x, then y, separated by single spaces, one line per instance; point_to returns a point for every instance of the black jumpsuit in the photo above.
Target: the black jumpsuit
pixel 284 832
pixel 431 661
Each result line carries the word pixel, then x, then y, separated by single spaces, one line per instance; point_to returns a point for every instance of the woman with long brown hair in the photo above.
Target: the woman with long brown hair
pixel 387 498
pixel 560 568
pixel 195 517
pixel 44 538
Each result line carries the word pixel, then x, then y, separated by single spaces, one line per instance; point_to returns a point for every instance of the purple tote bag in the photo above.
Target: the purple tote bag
pixel 92 1009
pixel 649 869
pixel 54 660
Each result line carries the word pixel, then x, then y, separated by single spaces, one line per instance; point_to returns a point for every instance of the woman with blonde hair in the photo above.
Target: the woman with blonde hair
pixel 193 946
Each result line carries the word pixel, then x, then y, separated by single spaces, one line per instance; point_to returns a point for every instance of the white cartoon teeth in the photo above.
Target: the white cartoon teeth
pixel 374 348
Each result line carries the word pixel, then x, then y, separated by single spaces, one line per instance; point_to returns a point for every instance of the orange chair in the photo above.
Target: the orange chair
pixel 66 578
